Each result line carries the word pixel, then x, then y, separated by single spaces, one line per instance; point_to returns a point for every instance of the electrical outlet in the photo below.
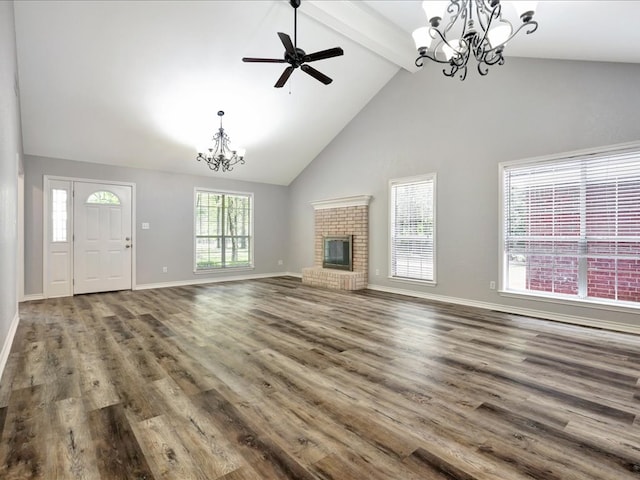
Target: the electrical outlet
pixel 165 269
pixel 280 262
pixel 377 271
pixel 492 285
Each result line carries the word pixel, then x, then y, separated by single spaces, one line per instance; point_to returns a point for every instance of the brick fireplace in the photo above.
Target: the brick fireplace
pixel 341 216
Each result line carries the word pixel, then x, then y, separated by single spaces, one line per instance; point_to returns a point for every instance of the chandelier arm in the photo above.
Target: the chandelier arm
pixel 424 52
pixel 443 40
pixel 531 23
pixel 454 70
pixel 420 63
pixel 455 9
pixel 228 166
pixel 458 64
pixel 481 14
pixel 488 14
pixel 462 58
pixel 496 13
pixel 465 16
pixel 493 57
pixel 213 164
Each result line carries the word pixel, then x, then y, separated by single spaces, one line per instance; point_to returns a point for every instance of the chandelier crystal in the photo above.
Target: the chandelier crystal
pixel 220 155
pixel 471 28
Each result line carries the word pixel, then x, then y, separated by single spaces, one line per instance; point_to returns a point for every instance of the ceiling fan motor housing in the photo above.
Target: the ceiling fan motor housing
pixel 297 59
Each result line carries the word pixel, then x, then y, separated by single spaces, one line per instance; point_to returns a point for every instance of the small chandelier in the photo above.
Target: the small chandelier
pixel 475 28
pixel 220 155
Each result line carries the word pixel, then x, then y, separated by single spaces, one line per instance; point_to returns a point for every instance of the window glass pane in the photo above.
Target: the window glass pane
pixel 572 226
pixel 59 215
pixel 103 197
pixel 412 229
pixel 208 252
pixel 223 230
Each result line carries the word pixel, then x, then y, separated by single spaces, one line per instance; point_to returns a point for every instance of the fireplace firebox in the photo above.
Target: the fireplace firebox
pixel 337 252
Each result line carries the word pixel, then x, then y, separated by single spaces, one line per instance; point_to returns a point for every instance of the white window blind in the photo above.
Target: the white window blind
pixel 572 227
pixel 223 224
pixel 413 228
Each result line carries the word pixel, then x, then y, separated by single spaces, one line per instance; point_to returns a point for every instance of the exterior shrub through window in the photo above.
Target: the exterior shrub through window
pixel 413 228
pixel 571 226
pixel 223 224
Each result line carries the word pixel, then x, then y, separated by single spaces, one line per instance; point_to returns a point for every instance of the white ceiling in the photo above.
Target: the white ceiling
pixel 139 83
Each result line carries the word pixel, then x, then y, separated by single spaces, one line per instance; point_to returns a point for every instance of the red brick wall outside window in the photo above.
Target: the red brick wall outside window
pixel 573 233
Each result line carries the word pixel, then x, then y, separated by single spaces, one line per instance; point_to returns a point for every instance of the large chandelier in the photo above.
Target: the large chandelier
pixel 220 155
pixel 472 28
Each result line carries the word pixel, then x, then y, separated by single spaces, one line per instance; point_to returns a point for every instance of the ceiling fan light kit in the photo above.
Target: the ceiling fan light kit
pixel 296 57
pixel 220 156
pixel 471 28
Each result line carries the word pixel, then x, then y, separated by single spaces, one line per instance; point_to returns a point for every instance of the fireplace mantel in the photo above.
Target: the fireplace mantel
pixel 353 201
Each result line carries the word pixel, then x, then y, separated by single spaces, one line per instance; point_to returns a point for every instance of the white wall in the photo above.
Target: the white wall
pixel 424 122
pixel 10 154
pixel 165 201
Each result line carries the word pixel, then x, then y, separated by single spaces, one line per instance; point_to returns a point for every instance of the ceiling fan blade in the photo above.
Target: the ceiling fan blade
pixel 284 77
pixel 321 55
pixel 316 74
pixel 263 60
pixel 288 45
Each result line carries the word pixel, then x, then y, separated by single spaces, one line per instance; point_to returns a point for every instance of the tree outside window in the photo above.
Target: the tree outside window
pixel 223 224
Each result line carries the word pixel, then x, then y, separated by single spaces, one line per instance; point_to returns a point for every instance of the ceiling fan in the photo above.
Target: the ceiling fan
pixel 296 57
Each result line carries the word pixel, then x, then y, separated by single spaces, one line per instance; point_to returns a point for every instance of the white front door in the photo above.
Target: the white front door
pixel 102 237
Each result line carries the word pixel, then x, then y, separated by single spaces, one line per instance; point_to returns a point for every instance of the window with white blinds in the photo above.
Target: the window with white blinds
pixel 413 228
pixel 223 230
pixel 571 227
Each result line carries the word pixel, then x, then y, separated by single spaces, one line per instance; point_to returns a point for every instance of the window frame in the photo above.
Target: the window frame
pixel 428 177
pixel 503 264
pixel 222 268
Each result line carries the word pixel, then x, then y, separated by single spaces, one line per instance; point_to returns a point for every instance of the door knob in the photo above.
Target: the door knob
pixel 127 246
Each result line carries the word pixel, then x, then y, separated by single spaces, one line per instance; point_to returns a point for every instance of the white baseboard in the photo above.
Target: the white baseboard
pixel 182 283
pixel 33 296
pixel 558 317
pixel 8 342
pixel 201 281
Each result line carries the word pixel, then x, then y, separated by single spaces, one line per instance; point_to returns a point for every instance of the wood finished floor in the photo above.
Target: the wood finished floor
pixel 271 379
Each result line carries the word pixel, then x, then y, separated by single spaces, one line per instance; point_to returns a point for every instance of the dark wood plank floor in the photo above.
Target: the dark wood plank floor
pixel 271 379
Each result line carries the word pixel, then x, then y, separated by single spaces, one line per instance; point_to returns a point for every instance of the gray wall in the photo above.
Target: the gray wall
pixel 10 148
pixel 165 201
pixel 425 122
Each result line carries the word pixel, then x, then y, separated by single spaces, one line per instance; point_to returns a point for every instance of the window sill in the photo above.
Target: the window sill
pixel 223 270
pixel 413 281
pixel 624 307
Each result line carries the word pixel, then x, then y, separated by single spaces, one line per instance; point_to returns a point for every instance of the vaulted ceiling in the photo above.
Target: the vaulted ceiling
pixel 138 83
